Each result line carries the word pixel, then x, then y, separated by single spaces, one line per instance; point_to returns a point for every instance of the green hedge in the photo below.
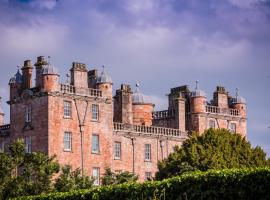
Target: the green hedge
pixel 214 184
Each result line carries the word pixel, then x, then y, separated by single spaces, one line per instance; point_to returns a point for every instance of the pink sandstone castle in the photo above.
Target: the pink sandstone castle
pixel 85 126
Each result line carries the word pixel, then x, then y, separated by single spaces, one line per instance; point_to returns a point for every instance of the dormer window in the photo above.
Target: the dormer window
pixel 28 114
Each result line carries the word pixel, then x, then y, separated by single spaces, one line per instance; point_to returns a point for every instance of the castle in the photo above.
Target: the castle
pixel 84 125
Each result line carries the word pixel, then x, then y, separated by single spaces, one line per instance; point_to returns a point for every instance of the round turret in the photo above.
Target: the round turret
pixel 50 78
pixel 239 103
pixel 198 100
pixel 142 108
pixel 104 83
pixel 104 77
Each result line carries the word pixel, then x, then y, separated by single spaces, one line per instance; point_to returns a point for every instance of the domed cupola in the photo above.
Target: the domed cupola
pixel 197 92
pixel 104 77
pixel 238 98
pixel 17 78
pixel 49 69
pixel 139 98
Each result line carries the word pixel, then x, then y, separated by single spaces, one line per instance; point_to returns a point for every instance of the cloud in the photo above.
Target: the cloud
pixel 43 4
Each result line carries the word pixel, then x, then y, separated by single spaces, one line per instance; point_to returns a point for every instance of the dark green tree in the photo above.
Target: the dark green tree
pixel 25 174
pixel 110 178
pixel 72 180
pixel 214 149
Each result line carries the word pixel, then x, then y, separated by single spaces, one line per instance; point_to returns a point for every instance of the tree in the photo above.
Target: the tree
pixel 111 178
pixel 72 180
pixel 25 174
pixel 214 149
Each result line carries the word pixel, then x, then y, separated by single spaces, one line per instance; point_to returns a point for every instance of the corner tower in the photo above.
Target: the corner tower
pixel 104 83
pixel 142 108
pixel 197 108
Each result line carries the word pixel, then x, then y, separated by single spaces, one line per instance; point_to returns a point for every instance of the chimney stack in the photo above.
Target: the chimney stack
pixel 27 74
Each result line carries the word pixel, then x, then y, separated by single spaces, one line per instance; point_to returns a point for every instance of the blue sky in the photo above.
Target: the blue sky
pixel 159 43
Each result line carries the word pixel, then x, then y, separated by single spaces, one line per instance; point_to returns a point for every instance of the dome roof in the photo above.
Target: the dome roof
pixel 104 77
pixel 197 92
pixel 17 78
pixel 238 98
pixel 138 97
pixel 49 69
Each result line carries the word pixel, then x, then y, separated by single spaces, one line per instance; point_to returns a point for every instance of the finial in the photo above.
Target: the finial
pixel 67 80
pixel 103 68
pixel 137 84
pixel 197 85
pixel 237 92
pixel 49 60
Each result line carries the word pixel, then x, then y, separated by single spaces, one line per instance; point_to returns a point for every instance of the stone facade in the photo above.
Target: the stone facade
pixel 85 126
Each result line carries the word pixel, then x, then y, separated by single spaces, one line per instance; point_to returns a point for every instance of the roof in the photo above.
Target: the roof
pixel 104 77
pixel 197 92
pixel 139 97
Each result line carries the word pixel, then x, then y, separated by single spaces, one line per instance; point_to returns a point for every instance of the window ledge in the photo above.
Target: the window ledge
pixel 97 153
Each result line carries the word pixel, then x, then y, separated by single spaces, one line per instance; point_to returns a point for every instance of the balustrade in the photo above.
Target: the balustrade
pixel 224 111
pixel 149 130
pixel 81 91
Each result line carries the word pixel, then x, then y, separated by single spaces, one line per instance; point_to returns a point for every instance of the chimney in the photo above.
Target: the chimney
pixel 79 75
pixel 27 74
pixel 39 69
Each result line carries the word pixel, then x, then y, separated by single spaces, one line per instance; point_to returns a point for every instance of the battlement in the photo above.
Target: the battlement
pixel 150 130
pixel 69 89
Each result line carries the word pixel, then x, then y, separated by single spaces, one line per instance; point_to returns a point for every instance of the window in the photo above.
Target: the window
pixel 232 127
pixel 28 145
pixel 95 144
pixel 95 112
pixel 117 150
pixel 212 124
pixel 147 152
pixel 67 141
pixel 67 109
pixel 95 175
pixel 148 176
pixel 28 114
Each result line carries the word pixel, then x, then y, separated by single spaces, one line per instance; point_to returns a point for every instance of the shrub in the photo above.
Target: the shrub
pixel 213 184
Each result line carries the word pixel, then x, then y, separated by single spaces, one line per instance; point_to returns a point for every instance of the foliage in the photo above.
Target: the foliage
pixel 110 178
pixel 25 174
pixel 214 184
pixel 215 149
pixel 71 180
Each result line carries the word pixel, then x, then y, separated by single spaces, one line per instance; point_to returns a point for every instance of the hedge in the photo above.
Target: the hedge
pixel 213 184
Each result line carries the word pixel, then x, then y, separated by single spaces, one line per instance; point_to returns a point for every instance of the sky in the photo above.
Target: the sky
pixel 159 43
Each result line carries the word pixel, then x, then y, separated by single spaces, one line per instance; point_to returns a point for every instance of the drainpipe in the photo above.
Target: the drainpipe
pixel 133 155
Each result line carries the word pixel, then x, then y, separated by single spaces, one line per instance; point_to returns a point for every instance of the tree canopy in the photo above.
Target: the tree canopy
pixel 110 178
pixel 214 149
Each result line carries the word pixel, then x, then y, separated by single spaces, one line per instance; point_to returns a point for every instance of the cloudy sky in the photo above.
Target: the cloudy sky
pixel 159 43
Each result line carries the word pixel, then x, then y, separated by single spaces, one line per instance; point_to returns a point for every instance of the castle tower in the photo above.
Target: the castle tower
pixel 15 84
pixel 41 62
pixel 123 105
pixel 104 83
pixel 239 103
pixel 197 107
pixel 1 113
pixel 27 74
pixel 50 79
pixel 220 97
pixel 142 108
pixel 79 77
